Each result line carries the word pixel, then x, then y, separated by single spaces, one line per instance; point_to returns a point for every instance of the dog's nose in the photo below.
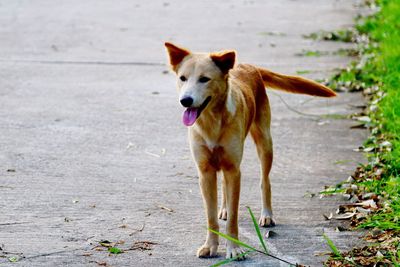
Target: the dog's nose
pixel 187 101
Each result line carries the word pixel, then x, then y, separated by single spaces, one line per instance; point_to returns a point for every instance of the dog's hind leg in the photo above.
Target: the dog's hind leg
pixel 223 214
pixel 260 132
pixel 263 142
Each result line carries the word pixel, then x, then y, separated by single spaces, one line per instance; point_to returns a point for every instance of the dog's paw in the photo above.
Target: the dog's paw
pixel 223 214
pixel 266 219
pixel 234 251
pixel 207 251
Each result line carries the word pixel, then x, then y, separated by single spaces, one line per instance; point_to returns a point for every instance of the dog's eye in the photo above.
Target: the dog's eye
pixel 204 79
pixel 182 78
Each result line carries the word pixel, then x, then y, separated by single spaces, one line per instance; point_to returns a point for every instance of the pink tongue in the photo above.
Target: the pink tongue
pixel 189 116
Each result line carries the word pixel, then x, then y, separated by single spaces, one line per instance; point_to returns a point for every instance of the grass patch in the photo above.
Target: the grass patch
pixel 312 53
pixel 274 33
pixel 301 72
pixel 382 68
pixel 377 75
pixel 345 35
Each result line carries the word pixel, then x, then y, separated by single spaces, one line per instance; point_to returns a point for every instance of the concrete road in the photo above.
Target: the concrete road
pixel 91 141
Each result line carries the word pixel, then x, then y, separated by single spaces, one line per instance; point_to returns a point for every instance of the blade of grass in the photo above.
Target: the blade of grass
pixel 257 230
pixel 332 246
pixel 240 243
pixel 252 249
pixel 231 259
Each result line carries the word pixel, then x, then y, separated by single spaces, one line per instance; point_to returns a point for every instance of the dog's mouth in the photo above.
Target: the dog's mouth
pixel 191 114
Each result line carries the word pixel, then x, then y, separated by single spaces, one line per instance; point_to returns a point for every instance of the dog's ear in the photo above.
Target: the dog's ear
pixel 176 54
pixel 225 60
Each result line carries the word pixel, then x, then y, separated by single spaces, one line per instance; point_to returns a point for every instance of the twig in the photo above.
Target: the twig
pixel 50 253
pixel 165 208
pixel 12 223
pixel 10 252
pixel 137 230
pixel 294 110
pixel 152 154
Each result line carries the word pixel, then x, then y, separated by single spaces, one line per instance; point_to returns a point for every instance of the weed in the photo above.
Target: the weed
pixel 300 72
pixel 311 53
pixel 250 249
pixel 345 35
pixel 332 246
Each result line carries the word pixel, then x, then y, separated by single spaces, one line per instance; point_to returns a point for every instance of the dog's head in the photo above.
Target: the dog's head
pixel 202 78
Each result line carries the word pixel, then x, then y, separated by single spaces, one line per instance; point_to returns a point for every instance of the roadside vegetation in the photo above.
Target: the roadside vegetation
pixel 374 188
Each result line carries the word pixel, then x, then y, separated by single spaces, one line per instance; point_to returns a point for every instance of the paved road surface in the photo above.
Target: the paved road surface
pixel 91 139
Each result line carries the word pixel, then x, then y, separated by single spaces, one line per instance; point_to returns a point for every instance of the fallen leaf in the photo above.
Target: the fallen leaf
pixel 328 217
pixel 143 245
pixel 87 254
pixel 385 144
pixel 309 194
pixel 130 145
pixel 364 119
pixel 345 216
pixel 358 126
pixel 152 154
pixel 368 149
pixel 106 243
pixel 138 230
pixel 13 259
pixel 165 208
pixel 115 250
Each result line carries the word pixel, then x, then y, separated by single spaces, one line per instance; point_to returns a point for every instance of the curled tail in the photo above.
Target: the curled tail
pixel 294 84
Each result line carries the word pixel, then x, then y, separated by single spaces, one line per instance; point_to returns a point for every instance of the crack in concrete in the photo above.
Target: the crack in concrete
pixel 72 62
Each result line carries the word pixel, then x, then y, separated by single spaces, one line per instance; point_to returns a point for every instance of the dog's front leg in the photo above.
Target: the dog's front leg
pixel 232 189
pixel 208 185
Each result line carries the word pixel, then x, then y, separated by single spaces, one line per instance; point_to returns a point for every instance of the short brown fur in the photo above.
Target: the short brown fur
pixel 239 105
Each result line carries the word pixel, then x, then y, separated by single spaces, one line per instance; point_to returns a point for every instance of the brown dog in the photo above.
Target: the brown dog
pixel 223 103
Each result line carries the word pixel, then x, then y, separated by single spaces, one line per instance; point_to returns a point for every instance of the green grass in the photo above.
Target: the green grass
pixel 311 53
pixel 383 68
pixel 332 246
pixel 377 74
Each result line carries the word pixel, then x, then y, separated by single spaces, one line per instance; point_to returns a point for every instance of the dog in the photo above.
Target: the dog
pixel 224 102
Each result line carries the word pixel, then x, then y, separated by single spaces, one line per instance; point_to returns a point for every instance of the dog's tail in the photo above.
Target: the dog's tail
pixel 294 84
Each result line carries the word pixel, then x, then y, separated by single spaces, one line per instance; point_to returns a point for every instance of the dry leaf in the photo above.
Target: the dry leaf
pixel 345 216
pixel 328 217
